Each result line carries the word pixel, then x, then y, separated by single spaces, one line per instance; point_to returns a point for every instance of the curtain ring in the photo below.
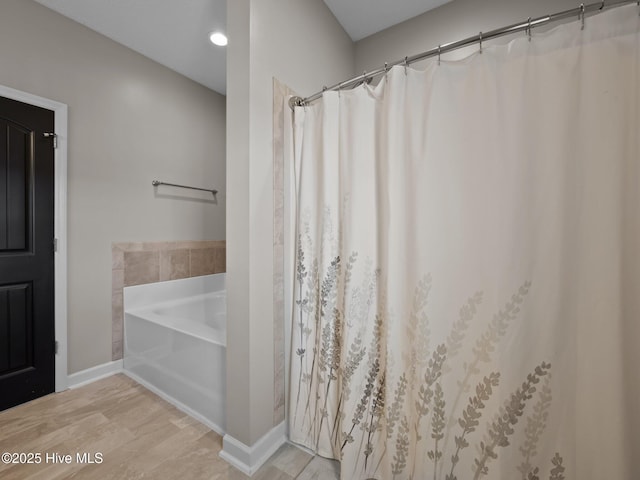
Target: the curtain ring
pixel 366 80
pixel 480 36
pixel 439 53
pixel 406 62
pixel 582 15
pixel 529 29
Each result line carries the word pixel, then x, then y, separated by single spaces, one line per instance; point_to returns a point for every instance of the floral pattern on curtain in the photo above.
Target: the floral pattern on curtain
pixel 466 245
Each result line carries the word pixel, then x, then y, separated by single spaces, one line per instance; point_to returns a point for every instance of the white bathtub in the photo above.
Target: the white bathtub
pixel 175 343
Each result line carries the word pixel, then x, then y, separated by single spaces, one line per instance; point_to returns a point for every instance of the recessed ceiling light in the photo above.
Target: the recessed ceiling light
pixel 218 38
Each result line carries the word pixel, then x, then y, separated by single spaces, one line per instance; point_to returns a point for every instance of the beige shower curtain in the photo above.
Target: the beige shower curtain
pixel 467 282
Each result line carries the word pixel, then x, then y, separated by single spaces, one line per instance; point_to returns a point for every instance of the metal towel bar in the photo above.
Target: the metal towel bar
pixel 155 183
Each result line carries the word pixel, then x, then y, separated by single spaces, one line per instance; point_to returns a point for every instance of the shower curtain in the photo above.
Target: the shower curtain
pixel 467 276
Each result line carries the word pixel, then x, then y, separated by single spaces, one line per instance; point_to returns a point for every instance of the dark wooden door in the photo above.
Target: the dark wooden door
pixel 27 332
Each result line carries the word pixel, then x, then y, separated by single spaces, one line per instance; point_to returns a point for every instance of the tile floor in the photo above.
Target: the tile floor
pixel 139 435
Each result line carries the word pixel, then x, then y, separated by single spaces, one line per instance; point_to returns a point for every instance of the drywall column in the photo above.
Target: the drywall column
pixel 239 358
pixel 300 43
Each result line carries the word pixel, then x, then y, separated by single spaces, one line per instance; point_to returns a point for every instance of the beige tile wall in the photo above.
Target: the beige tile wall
pixel 280 94
pixel 135 263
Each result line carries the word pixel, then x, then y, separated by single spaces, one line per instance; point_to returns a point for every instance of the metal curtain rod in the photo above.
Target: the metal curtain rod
pixel 155 183
pixel 525 26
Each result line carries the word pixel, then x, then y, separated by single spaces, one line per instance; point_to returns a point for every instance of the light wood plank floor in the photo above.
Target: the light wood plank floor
pixel 139 435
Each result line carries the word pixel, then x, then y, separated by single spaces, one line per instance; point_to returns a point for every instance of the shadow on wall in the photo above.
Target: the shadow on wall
pixel 137 263
pixel 213 201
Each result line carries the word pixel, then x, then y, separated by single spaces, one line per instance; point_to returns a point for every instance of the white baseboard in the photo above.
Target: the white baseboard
pixel 249 459
pixel 92 374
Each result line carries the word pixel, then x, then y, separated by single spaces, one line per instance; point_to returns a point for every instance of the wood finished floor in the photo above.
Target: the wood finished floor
pixel 139 435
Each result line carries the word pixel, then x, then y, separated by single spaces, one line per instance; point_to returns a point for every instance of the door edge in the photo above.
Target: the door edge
pixel 60 224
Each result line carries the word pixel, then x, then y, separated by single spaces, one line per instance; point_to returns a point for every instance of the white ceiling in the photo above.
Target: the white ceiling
pixel 175 33
pixel 361 18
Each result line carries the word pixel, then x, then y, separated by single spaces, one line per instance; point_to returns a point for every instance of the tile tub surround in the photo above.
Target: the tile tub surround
pixel 280 108
pixel 137 263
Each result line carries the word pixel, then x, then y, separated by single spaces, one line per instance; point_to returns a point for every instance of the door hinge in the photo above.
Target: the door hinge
pixel 55 347
pixel 54 136
pixel 55 245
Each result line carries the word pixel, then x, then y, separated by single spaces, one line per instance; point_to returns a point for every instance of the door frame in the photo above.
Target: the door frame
pixel 60 222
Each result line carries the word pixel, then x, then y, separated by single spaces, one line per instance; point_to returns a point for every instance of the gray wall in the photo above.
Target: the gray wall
pixel 130 121
pixel 448 23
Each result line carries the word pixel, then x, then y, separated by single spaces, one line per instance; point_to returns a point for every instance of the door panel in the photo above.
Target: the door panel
pixel 27 356
pixel 16 189
pixel 15 300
